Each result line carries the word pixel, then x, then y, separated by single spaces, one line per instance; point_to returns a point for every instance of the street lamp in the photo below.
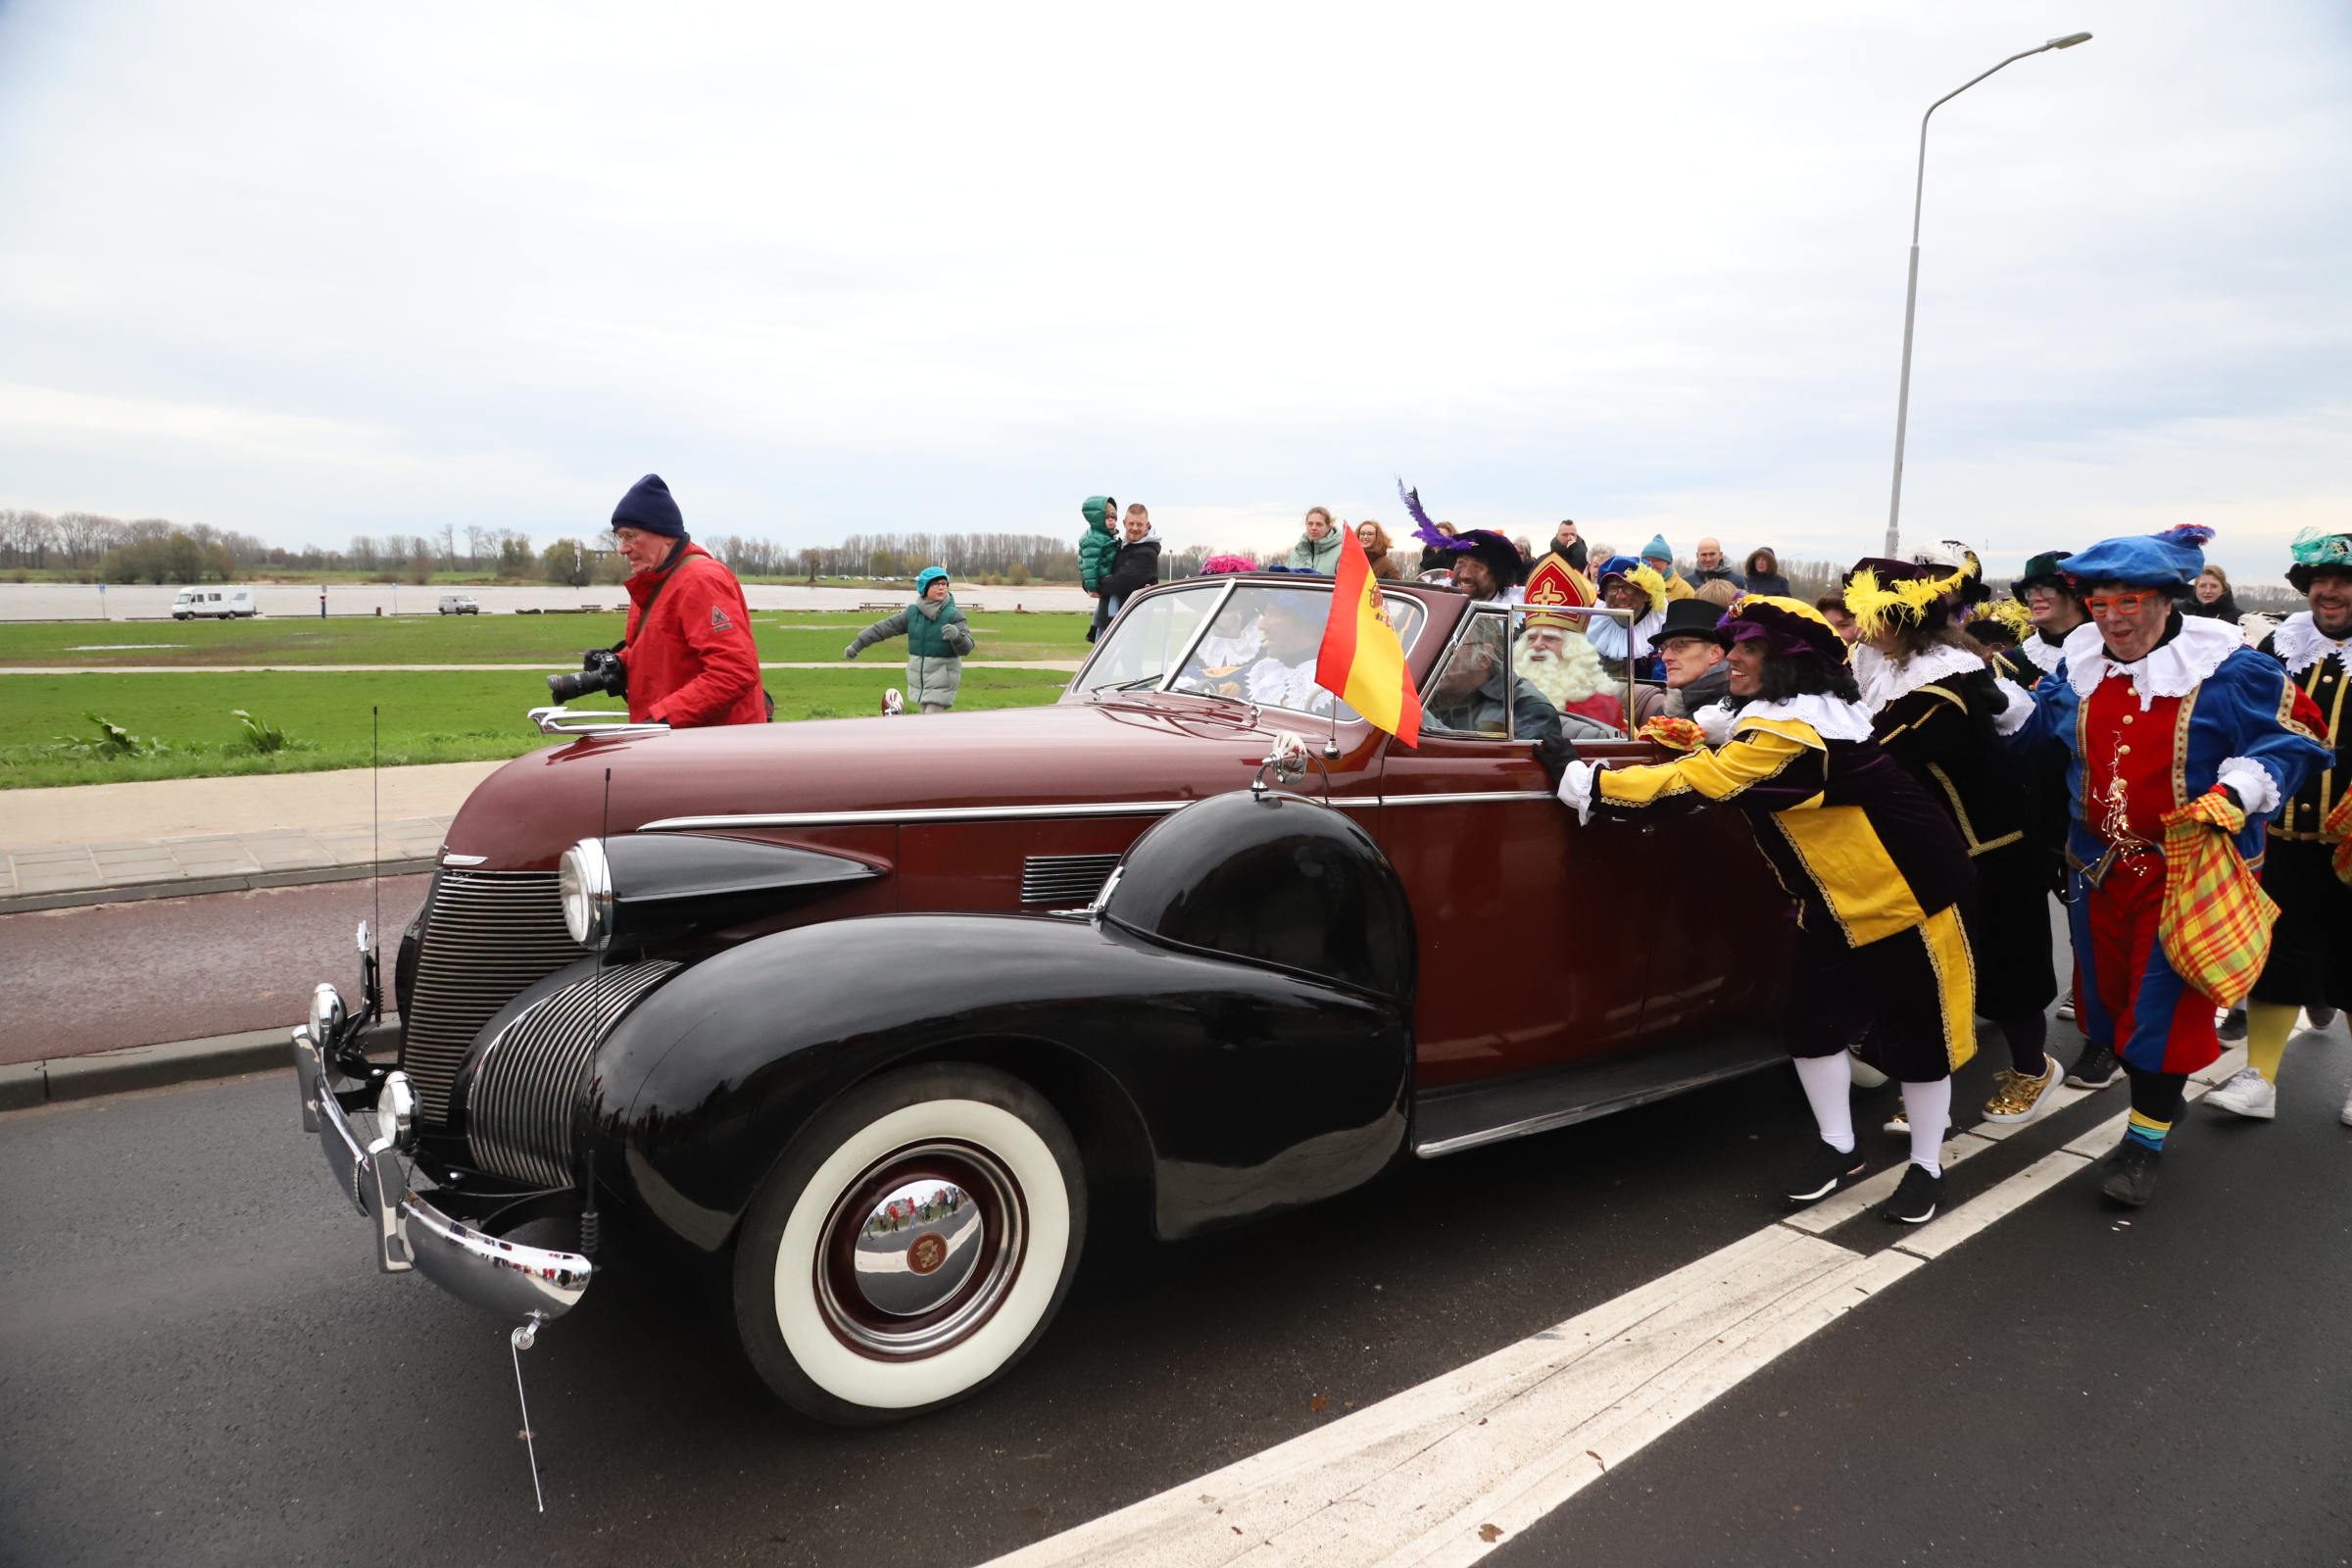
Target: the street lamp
pixel 1902 404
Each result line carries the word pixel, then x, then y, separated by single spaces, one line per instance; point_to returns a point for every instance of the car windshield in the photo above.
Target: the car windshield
pixel 1261 648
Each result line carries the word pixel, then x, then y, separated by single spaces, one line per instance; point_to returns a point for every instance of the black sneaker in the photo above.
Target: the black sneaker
pixel 2095 1069
pixel 1916 1200
pixel 1822 1171
pixel 2233 1026
pixel 2132 1173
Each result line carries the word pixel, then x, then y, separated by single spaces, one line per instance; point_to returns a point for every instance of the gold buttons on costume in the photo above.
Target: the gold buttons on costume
pixel 2122 751
pixel 2126 718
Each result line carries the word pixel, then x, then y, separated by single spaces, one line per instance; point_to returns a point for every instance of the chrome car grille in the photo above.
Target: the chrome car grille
pixel 487 935
pixel 519 1111
pixel 1065 878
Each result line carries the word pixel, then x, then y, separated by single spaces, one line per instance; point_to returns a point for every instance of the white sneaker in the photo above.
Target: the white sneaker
pixel 1900 1125
pixel 2346 1118
pixel 2248 1094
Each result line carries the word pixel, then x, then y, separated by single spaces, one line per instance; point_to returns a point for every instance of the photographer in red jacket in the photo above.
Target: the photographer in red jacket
pixel 688 653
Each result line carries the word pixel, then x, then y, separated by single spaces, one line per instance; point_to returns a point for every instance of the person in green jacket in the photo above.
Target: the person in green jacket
pixel 937 639
pixel 1096 548
pixel 1318 548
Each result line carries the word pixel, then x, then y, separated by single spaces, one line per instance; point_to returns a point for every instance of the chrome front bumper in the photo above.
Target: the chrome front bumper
pixel 521 1284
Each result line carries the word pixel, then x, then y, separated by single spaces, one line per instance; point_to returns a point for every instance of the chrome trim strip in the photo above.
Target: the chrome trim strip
pixel 1015 813
pixel 915 815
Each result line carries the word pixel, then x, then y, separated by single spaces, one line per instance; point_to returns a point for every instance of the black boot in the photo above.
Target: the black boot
pixel 2131 1172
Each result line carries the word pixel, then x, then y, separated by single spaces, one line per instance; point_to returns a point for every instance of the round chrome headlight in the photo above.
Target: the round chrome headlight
pixel 585 881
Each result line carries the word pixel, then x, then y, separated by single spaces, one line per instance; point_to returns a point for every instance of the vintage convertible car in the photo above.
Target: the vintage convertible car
pixel 870 1011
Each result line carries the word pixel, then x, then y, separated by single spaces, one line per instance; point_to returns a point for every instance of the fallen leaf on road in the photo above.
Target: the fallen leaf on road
pixel 1490 1533
pixel 1317 1402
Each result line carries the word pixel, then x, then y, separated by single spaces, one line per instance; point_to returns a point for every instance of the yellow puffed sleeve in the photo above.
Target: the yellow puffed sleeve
pixel 1755 756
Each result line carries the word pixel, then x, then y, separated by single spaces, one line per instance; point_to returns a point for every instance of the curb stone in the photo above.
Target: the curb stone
pixel 27 1084
pixel 194 887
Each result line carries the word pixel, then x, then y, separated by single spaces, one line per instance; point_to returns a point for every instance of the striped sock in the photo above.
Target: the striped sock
pixel 2148 1131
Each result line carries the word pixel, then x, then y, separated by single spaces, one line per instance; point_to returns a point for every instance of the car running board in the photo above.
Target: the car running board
pixel 1448 1120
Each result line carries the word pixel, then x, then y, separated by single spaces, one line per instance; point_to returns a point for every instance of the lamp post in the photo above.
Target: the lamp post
pixel 1902 402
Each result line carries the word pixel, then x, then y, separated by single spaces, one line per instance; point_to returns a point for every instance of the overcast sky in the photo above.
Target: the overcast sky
pixel 315 271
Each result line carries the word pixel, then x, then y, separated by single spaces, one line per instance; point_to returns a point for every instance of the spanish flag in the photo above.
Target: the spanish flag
pixel 1361 658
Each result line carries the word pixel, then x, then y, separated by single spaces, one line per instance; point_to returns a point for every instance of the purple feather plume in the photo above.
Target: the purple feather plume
pixel 1427 532
pixel 2188 533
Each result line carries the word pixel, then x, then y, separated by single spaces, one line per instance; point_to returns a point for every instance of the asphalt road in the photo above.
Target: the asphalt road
pixel 105 975
pixel 197 1364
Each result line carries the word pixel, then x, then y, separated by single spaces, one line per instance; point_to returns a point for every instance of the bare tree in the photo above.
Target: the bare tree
pixel 479 542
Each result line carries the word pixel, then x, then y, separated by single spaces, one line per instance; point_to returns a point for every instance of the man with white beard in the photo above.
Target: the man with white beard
pixel 1556 660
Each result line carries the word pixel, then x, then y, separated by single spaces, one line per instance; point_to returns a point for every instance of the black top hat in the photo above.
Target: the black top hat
pixel 1691 617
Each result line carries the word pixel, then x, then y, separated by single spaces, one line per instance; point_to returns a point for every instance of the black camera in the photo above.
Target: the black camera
pixel 600 671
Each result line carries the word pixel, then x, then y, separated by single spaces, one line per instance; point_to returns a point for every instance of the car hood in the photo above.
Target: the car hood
pixel 1136 748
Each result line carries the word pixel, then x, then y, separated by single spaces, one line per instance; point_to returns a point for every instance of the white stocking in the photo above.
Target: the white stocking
pixel 1929 1107
pixel 1828 1086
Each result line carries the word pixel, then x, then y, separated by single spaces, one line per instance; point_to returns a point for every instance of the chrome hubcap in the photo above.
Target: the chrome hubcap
pixel 920 1250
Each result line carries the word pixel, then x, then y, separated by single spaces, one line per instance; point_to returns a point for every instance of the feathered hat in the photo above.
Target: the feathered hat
pixel 1884 596
pixel 2012 614
pixel 1218 566
pixel 1790 627
pixel 1954 556
pixel 1500 556
pixel 1640 573
pixel 2315 549
pixel 2172 558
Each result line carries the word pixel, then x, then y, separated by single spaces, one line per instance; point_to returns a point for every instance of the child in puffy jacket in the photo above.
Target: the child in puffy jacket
pixel 937 641
pixel 1096 549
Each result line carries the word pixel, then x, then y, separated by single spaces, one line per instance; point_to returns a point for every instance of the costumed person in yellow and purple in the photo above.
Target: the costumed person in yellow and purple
pixel 2184 744
pixel 1876 870
pixel 2307 863
pixel 1940 710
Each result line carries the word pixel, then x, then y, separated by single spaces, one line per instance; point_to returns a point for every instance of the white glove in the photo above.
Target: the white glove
pixel 1576 789
pixel 2009 721
pixel 1714 721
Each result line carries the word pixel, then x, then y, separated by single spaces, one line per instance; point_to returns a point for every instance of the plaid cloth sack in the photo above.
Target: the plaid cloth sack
pixel 2216 922
pixel 2338 830
pixel 1681 734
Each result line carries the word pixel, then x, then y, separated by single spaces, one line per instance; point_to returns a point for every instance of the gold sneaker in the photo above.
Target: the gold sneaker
pixel 2017 1097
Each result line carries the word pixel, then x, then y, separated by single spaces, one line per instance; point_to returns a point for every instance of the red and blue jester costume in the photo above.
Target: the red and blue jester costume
pixel 2199 712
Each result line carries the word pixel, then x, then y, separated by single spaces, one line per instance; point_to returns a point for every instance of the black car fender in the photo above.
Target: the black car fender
pixel 1247 1087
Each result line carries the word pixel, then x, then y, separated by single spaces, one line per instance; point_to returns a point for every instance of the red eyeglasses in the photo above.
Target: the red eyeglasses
pixel 2102 605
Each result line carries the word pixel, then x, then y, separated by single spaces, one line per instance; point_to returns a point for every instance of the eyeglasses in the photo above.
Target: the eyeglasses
pixel 2102 605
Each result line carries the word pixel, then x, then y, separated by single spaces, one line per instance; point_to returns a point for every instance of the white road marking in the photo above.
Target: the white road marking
pixel 1441 1474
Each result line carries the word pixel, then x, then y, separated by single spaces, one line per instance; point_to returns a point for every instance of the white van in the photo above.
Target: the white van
pixel 459 605
pixel 221 603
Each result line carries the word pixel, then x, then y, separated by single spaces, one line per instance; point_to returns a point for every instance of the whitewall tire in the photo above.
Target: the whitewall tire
pixel 912 1244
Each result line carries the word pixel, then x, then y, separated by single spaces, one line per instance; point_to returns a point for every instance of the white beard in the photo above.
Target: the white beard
pixel 1569 677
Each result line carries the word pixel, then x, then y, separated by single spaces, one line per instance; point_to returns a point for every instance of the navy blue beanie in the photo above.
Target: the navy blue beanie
pixel 648 506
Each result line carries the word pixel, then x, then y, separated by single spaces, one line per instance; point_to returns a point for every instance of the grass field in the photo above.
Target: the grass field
pixel 556 640
pixel 426 716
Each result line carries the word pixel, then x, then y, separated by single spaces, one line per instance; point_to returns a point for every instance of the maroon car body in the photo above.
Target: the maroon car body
pixel 861 1025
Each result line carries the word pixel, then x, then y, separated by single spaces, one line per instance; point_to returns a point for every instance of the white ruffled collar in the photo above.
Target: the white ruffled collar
pixel 1883 680
pixel 2301 643
pixel 1832 719
pixel 2042 655
pixel 2171 671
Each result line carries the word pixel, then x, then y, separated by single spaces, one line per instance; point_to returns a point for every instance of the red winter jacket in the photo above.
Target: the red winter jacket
pixel 694 661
